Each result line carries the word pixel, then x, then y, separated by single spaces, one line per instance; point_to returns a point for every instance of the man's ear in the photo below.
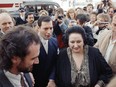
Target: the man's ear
pixel 39 27
pixel 15 60
pixel 26 20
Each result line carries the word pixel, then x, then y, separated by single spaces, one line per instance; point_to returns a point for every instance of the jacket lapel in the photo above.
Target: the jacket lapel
pixel 28 79
pixel 4 80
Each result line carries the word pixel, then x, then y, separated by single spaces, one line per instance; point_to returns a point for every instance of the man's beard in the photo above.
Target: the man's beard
pixel 25 69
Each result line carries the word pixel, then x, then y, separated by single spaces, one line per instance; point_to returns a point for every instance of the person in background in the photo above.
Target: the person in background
pixel 80 65
pixel 44 72
pixel 92 25
pixel 89 8
pixel 81 20
pixel 43 13
pixel 70 18
pixel 30 19
pixel 21 19
pixel 103 6
pixel 6 23
pixel 79 10
pixel 35 26
pixel 111 12
pixel 107 44
pixel 18 56
pixel 59 27
pixel 103 22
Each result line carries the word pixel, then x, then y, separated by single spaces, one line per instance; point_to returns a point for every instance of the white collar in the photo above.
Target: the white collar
pixel 12 76
pixel 42 39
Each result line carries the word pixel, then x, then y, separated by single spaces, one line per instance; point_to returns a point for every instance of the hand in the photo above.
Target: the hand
pixel 51 83
pixel 96 23
pixel 59 21
pixel 97 85
pixel 100 5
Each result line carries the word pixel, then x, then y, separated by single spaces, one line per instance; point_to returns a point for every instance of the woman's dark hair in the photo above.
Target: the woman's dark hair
pixel 75 29
pixel 16 43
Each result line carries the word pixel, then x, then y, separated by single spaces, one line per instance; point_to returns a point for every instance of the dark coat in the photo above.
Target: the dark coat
pixel 45 69
pixel 1 34
pixel 4 82
pixel 90 38
pixel 98 68
pixel 59 32
pixel 19 21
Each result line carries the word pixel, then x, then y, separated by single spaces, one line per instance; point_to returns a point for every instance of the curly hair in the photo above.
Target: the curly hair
pixel 75 29
pixel 16 43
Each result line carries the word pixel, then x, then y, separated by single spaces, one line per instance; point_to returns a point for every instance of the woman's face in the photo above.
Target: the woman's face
pixel 89 9
pixel 93 17
pixel 72 15
pixel 76 42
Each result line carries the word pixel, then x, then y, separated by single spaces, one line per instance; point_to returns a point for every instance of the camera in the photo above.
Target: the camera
pixel 104 23
pixel 60 17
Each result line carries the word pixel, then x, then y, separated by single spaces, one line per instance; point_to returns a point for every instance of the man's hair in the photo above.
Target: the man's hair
pixel 43 11
pixel 59 11
pixel 105 17
pixel 82 18
pixel 2 11
pixel 110 8
pixel 28 13
pixel 16 43
pixel 43 19
pixel 95 13
pixel 90 5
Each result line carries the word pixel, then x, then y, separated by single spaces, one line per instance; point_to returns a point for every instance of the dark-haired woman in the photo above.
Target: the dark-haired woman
pixel 80 65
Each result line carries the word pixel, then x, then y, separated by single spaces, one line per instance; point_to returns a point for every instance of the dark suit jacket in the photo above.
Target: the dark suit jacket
pixel 19 21
pixel 4 82
pixel 45 69
pixel 98 68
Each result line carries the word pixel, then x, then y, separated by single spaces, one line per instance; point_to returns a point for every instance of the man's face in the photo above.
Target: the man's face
pixel 6 22
pixel 26 65
pixel 30 19
pixel 89 9
pixel 46 30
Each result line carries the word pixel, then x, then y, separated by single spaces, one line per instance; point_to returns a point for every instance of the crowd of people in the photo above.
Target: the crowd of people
pixel 76 49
